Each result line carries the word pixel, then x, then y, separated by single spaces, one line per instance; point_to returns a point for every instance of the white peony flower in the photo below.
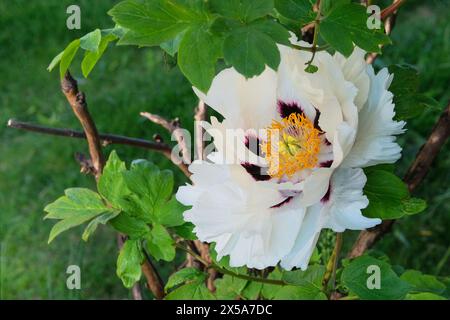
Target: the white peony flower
pixel 301 143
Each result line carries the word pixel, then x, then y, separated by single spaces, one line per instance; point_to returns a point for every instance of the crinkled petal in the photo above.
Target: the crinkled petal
pixel 375 139
pixel 346 200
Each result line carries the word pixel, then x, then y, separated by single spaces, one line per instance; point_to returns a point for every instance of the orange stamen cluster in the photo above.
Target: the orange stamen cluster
pixel 292 144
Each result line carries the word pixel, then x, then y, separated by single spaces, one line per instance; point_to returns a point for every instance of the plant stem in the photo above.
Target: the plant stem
pixel 231 273
pixel 316 34
pixel 330 273
pixel 311 49
pixel 349 298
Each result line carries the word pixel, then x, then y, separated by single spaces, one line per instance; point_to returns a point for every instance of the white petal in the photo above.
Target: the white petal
pixel 248 103
pixel 316 186
pixel 305 241
pixel 293 83
pixel 346 199
pixel 375 140
pixel 354 69
pixel 237 214
pixel 344 139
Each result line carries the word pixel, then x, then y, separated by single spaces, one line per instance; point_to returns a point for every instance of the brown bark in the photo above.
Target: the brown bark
pixel 77 101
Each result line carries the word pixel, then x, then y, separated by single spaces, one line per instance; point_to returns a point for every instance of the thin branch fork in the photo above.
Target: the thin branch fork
pixel 414 176
pixel 77 101
pixel 174 128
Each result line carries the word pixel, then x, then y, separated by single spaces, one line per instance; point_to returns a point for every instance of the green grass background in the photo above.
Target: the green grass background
pixel 35 169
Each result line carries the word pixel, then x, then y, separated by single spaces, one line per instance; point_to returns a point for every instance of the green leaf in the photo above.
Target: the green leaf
pixel 305 284
pixel 172 46
pixel 299 10
pixel 358 277
pixel 229 287
pixel 76 207
pixel 423 282
pixel 171 214
pixel 111 183
pixel 55 61
pixel 345 25
pixel 244 10
pixel 66 224
pixel 310 277
pixel 197 56
pixel 249 51
pixel 269 291
pixel 311 68
pixel 195 290
pixel 328 5
pixel 160 244
pixel 91 41
pixel 185 231
pixel 409 103
pixel 151 186
pixel 299 293
pixel 273 29
pixel 184 275
pixel 252 291
pixel 386 193
pixel 66 59
pixel 129 225
pixel 101 219
pixel 413 206
pixel 92 57
pixel 129 263
pixel 424 296
pixel 76 202
pixel 153 22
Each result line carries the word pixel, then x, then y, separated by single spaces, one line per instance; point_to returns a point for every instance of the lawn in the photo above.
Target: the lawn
pixel 35 169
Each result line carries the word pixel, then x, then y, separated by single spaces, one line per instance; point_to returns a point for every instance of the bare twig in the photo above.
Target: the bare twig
pixel 174 128
pixel 77 101
pixel 414 176
pixel 388 15
pixel 105 139
pixel 154 281
pixel 392 9
pixel 200 115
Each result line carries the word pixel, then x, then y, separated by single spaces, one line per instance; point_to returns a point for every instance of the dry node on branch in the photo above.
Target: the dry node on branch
pixel 77 101
pixel 174 129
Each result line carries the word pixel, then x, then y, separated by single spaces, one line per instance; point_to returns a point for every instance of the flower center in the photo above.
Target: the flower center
pixel 292 144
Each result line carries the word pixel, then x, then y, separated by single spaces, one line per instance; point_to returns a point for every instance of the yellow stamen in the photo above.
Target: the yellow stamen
pixel 293 144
